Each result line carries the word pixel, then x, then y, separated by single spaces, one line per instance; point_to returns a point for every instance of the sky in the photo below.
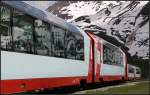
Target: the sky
pixel 43 5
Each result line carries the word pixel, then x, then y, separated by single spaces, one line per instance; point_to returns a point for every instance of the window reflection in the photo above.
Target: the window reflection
pixel 22 32
pixel 43 38
pixel 58 35
pixel 5 29
pixel 79 47
pixel 107 55
pixel 70 45
pixel 74 46
pixel 112 55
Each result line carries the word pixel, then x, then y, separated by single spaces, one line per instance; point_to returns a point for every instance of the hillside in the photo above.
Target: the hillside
pixel 125 21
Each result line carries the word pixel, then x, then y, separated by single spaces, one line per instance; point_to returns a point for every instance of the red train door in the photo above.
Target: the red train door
pixel 95 53
pixel 90 78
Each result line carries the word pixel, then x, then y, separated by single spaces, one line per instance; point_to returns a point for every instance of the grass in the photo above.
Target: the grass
pixel 140 88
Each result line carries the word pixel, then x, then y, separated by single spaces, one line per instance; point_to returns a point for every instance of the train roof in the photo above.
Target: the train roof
pixel 40 14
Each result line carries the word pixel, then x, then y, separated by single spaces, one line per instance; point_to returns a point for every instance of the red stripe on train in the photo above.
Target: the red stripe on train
pixel 111 77
pixel 23 85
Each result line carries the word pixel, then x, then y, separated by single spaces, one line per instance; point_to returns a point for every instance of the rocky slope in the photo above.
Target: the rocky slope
pixel 125 21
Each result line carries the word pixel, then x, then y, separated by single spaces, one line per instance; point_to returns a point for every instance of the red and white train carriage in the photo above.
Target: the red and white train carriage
pixel 39 50
pixel 131 72
pixel 134 72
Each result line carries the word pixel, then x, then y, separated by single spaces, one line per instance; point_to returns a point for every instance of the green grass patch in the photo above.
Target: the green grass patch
pixel 140 88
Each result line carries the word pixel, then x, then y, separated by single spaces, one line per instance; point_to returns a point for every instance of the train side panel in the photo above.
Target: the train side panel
pixel 137 73
pixel 24 72
pixel 114 72
pixel 18 69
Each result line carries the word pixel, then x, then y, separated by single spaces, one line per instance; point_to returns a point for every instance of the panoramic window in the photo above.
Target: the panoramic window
pixel 112 55
pixel 107 55
pixel 5 28
pixel 118 57
pixel 74 46
pixel 42 38
pixel 58 43
pixel 22 32
pixel 70 40
pixel 79 47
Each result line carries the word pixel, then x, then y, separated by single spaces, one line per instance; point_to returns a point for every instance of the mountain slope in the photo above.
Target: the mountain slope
pixel 126 21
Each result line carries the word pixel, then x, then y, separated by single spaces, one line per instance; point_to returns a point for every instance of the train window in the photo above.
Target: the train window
pixel 107 55
pixel 118 57
pixel 42 38
pixel 5 28
pixel 137 71
pixel 131 70
pixel 58 41
pixel 22 32
pixel 79 47
pixel 70 41
pixel 74 46
pixel 112 55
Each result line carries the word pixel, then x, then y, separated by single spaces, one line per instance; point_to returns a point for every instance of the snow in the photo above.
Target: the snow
pixel 141 34
pixel 123 30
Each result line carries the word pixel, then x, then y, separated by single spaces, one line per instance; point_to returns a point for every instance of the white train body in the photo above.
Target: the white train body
pixel 137 72
pixel 131 72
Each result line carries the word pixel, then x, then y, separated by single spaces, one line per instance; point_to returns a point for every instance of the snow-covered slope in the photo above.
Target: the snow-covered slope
pixel 126 21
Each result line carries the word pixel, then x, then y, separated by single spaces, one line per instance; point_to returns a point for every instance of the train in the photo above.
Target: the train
pixel 41 51
pixel 134 72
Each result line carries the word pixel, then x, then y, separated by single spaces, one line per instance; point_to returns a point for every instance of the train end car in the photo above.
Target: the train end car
pixel 133 72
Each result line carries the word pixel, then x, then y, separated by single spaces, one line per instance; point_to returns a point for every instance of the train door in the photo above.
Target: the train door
pixel 91 73
pixel 96 53
pixel 97 58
